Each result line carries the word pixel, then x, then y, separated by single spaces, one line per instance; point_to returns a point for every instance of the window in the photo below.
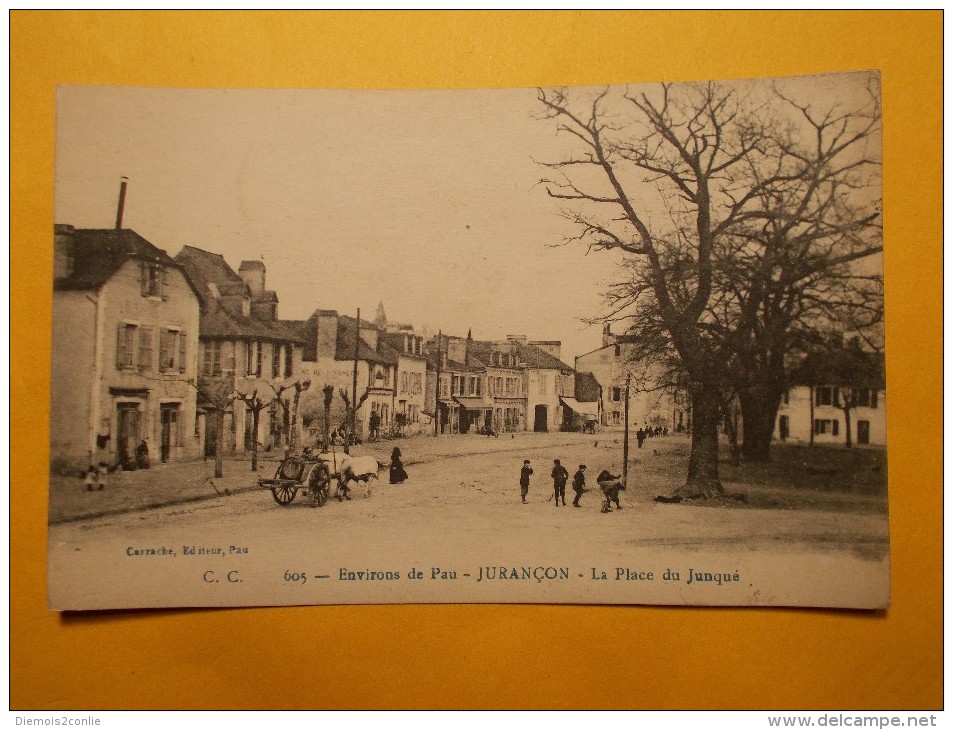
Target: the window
pixel 289 360
pixel 212 358
pixel 151 279
pixel 826 396
pixel 125 344
pixel 218 357
pixel 617 394
pixel 171 350
pixel 826 425
pixel 865 397
pixel 542 383
pixel 276 361
pixel 618 350
pixel 253 357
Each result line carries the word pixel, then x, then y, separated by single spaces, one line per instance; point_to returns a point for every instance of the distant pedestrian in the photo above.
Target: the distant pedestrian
pixel 610 486
pixel 375 424
pixel 397 473
pixel 142 455
pixel 92 478
pixel 524 480
pixel 579 484
pixel 560 477
pixel 101 475
pixel 640 436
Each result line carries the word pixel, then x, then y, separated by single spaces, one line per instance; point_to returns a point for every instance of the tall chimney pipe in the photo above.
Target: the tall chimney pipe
pixel 122 201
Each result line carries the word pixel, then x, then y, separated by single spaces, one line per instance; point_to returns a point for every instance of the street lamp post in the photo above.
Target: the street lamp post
pixel 625 442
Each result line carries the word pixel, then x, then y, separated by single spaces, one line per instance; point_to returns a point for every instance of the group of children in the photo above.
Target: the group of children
pixel 608 483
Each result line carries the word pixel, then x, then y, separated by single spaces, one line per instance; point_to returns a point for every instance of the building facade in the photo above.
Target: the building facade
pixel 125 338
pixel 651 404
pixel 249 364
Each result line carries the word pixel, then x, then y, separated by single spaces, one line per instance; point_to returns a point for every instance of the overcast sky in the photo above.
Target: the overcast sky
pixel 425 200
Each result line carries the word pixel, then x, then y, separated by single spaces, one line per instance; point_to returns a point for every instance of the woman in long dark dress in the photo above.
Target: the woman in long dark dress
pixel 397 473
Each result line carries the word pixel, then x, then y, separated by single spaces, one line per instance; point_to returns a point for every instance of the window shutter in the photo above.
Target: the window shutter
pixel 143 278
pixel 182 351
pixel 165 349
pixel 121 346
pixel 162 280
pixel 835 424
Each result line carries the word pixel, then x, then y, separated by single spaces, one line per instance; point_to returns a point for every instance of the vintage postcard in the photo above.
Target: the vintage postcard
pixel 562 345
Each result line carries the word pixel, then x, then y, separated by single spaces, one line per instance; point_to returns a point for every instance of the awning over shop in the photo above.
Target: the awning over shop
pixel 449 403
pixel 585 409
pixel 473 403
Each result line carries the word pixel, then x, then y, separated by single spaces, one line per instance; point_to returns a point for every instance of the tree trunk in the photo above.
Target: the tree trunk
pixel 255 414
pixel 848 442
pixel 219 442
pixel 759 410
pixel 294 418
pixel 703 479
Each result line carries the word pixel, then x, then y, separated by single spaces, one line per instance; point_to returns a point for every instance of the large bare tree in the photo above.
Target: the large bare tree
pixel 662 177
pixel 741 218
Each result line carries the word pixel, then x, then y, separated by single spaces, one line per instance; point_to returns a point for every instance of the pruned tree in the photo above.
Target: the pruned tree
pixel 328 391
pixel 350 415
pixel 256 404
pixel 217 397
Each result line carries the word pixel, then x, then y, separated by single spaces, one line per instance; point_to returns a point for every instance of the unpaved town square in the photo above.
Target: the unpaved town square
pixel 456 531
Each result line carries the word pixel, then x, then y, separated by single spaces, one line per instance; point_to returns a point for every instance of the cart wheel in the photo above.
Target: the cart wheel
pixel 284 495
pixel 319 484
pixel 291 468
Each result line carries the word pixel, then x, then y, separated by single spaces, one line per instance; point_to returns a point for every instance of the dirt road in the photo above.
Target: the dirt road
pixel 459 523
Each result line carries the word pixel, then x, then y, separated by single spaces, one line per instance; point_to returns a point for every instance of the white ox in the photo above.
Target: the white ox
pixel 356 469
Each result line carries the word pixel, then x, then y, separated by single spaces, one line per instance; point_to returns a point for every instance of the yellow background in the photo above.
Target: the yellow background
pixel 489 656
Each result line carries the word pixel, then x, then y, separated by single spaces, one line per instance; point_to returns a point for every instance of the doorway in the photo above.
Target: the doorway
pixel 863 432
pixel 128 424
pixel 169 422
pixel 541 420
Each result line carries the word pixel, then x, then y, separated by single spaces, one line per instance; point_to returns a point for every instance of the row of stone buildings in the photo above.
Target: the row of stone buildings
pixel 179 353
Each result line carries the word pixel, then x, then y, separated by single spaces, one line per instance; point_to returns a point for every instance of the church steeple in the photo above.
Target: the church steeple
pixel 380 319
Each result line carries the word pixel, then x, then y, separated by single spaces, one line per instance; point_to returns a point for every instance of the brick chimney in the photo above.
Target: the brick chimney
pixel 253 274
pixel 326 334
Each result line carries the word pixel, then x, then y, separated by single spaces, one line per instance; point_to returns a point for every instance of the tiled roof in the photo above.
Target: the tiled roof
pixel 218 324
pixel 535 357
pixel 204 267
pixel 587 387
pixel 385 354
pixel 222 318
pixel 98 253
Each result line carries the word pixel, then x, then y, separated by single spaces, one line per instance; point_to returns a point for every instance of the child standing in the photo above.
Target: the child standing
pixel 92 478
pixel 524 480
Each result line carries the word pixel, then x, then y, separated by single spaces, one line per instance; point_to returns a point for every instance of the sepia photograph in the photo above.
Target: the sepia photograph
pixel 574 345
